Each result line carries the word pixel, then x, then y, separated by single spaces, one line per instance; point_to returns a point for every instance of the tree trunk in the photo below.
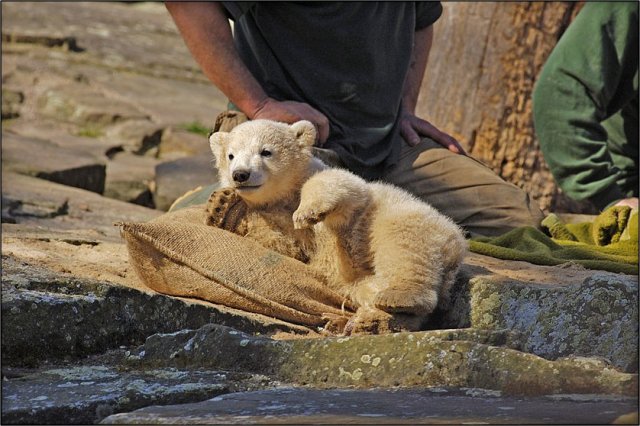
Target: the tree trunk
pixel 478 85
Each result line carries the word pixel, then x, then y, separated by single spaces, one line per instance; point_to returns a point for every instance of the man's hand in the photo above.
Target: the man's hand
pixel 413 128
pixel 291 112
pixel 631 202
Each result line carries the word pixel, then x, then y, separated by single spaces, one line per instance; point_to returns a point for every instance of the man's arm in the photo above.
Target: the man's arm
pixel 207 33
pixel 412 127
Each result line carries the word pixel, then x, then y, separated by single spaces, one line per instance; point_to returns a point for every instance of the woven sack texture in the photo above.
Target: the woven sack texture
pixel 177 254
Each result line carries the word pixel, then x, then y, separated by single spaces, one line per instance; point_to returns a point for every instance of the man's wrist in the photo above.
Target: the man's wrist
pixel 407 106
pixel 251 106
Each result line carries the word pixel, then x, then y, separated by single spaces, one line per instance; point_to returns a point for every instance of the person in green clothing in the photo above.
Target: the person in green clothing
pixel 354 69
pixel 585 106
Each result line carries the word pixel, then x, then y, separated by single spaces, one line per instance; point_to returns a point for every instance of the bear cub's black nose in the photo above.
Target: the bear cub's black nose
pixel 241 176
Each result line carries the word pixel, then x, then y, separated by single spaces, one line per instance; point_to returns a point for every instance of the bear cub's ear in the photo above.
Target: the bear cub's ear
pixel 305 133
pixel 218 142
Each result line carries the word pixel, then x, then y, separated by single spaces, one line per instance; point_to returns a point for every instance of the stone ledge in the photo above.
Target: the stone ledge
pixel 86 394
pixel 464 358
pixel 76 168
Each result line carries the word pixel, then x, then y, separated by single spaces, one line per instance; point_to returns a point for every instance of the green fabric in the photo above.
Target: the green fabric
pixel 346 59
pixel 609 243
pixel 585 105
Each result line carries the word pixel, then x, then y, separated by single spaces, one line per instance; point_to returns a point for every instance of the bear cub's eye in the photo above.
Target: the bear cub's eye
pixel 230 156
pixel 265 153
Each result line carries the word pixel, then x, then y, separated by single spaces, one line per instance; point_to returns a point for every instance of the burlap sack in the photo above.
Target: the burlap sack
pixel 177 254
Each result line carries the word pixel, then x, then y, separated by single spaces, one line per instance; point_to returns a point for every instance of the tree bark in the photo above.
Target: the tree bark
pixel 478 85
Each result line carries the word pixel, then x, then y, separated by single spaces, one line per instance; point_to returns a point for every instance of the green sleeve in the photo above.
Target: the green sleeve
pixel 587 78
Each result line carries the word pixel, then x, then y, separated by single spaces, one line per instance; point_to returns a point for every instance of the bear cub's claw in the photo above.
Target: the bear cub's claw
pixel 374 321
pixel 220 207
pixel 306 218
pixel 308 214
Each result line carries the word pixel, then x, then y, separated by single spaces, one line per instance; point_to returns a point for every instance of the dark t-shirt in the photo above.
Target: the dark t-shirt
pixel 346 59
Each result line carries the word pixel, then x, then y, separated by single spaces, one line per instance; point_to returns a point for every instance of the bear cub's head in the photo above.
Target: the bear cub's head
pixel 265 161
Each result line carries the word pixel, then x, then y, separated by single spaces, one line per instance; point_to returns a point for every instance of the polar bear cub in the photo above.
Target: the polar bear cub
pixel 262 166
pixel 388 250
pixel 391 255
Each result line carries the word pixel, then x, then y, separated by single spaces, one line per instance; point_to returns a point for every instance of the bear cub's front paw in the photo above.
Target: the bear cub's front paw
pixel 220 208
pixel 308 214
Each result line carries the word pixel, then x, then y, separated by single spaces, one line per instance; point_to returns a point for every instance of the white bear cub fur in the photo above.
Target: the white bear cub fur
pixel 389 254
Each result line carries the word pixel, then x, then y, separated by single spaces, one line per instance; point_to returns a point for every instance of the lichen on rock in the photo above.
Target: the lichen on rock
pixel 596 318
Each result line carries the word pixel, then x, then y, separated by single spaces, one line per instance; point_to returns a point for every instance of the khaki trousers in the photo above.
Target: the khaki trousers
pixel 464 189
pixel 457 185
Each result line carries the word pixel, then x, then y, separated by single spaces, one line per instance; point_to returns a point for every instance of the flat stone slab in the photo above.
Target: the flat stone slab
pixel 86 106
pixel 384 406
pixel 84 210
pixel 559 310
pixel 86 394
pixel 461 358
pixel 43 159
pixel 62 135
pixel 132 54
pixel 125 37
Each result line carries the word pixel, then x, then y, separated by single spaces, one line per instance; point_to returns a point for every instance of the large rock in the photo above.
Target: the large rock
pixel 170 102
pixel 136 136
pixel 598 317
pixel 92 316
pixel 462 358
pixel 177 177
pixel 43 159
pixel 178 143
pixel 130 177
pixel 559 310
pixel 383 406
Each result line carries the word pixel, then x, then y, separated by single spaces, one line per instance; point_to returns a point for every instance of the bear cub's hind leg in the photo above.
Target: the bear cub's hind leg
pixel 369 320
